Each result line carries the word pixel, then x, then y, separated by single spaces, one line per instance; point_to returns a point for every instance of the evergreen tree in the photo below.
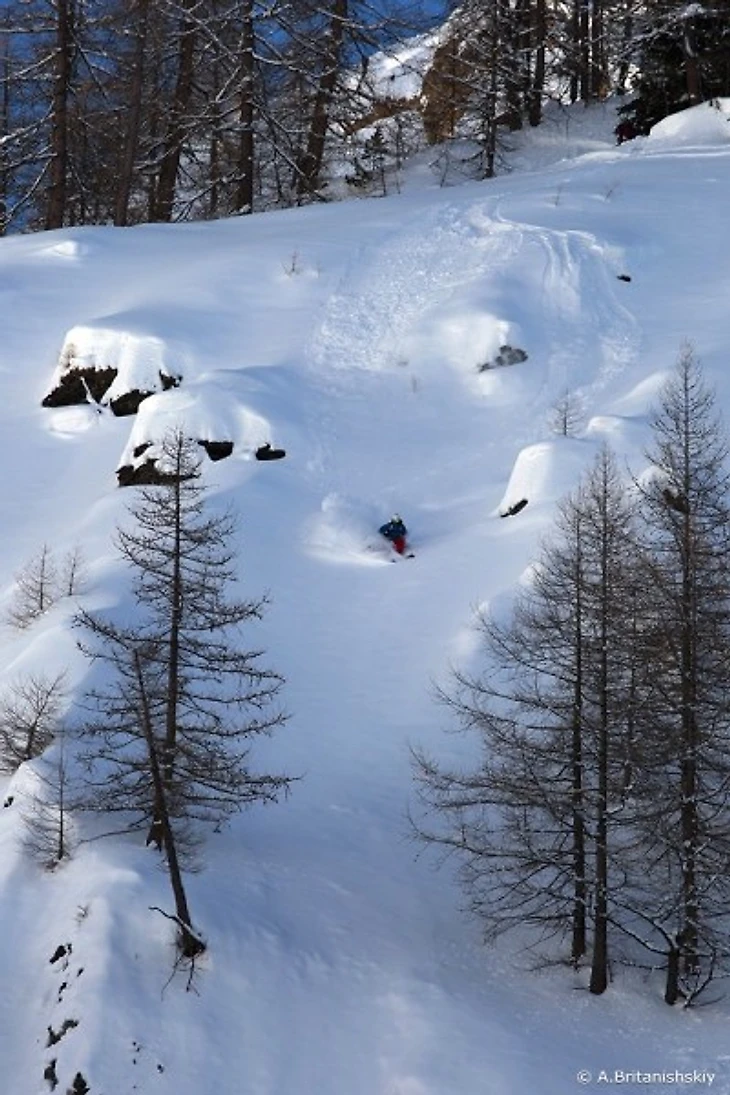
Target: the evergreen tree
pixel 533 825
pixel 30 717
pixel 36 590
pixel 681 53
pixel 686 728
pixel 169 731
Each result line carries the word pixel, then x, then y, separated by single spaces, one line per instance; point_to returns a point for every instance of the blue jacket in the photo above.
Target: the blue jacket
pixel 392 530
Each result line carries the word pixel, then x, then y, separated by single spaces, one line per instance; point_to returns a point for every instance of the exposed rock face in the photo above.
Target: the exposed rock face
pixel 91 386
pixel 508 355
pixel 146 473
pixel 265 452
pixel 217 450
pixel 110 366
pixel 516 508
pixel 80 385
pixel 128 403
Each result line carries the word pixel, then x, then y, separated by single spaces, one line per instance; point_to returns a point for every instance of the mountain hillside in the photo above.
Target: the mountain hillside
pixel 407 354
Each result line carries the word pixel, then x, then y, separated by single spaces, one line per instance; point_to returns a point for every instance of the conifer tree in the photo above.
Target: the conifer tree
pixel 686 728
pixel 681 56
pixel 169 730
pixel 36 589
pixel 30 717
pixel 533 825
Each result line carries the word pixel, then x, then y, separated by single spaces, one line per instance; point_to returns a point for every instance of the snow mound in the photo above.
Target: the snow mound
pixel 707 123
pixel 66 249
pixel 206 411
pixel 547 471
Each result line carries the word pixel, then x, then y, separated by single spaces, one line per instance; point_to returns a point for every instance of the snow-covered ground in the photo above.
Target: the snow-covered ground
pixel 362 338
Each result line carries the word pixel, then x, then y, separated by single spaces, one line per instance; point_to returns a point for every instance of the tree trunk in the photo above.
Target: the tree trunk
pixel 599 966
pixel 176 128
pixel 56 197
pixel 691 64
pixel 310 162
pixel 511 42
pixel 578 948
pixel 688 762
pixel 156 833
pixel 245 192
pixel 671 988
pixel 627 35
pixel 598 75
pixel 4 127
pixel 131 137
pixel 575 51
pixel 537 85
pixel 190 944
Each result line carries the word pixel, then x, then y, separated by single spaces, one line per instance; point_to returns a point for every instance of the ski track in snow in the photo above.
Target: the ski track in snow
pixel 388 288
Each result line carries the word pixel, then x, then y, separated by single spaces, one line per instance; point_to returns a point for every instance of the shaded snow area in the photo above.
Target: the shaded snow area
pixel 407 354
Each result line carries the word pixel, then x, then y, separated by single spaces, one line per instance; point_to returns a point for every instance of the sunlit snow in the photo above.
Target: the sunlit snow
pixel 361 338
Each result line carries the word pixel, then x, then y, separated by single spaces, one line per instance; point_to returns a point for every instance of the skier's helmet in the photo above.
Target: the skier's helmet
pixel 396 519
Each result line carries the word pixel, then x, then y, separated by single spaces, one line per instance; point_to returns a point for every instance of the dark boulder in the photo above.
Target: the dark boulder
pixel 516 508
pixel 86 384
pixel 217 450
pixel 128 403
pixel 146 474
pixel 76 385
pixel 265 452
pixel 508 355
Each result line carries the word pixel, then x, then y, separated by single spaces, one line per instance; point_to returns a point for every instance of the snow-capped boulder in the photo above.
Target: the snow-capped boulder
pixel 706 123
pixel 206 411
pixel 112 366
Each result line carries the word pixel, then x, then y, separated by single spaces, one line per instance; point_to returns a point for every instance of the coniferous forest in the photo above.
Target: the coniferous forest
pixel 130 111
pixel 599 816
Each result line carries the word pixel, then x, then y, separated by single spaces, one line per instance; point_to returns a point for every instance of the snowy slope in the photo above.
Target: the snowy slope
pixel 356 336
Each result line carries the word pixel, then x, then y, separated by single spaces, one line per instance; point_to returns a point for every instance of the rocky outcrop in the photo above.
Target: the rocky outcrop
pixel 128 403
pixel 80 385
pixel 147 473
pixel 217 450
pixel 508 355
pixel 511 511
pixel 110 366
pixel 91 385
pixel 265 452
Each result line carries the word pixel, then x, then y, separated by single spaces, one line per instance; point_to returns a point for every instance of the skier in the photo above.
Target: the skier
pixel 395 531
